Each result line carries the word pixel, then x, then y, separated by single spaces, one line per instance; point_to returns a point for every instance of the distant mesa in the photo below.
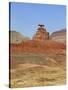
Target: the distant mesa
pixel 16 37
pixel 41 34
pixel 59 36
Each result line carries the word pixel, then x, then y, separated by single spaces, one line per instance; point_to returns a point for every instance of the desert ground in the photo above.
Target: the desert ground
pixel 35 63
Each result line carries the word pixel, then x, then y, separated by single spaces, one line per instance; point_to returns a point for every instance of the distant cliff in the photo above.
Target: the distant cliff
pixel 16 37
pixel 59 36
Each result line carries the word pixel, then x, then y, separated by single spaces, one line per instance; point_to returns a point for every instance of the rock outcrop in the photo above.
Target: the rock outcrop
pixel 41 34
pixel 16 37
pixel 59 36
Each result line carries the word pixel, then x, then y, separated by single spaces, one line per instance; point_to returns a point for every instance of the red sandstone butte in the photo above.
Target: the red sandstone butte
pixel 41 34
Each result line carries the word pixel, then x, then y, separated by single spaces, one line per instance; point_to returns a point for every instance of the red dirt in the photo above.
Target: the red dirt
pixel 37 47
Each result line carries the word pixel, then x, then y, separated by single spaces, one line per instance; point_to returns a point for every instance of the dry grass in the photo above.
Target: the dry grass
pixel 30 69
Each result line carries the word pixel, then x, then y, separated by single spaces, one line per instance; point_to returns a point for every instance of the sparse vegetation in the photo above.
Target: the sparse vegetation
pixel 30 69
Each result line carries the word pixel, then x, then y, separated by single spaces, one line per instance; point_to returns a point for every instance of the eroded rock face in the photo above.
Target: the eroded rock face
pixel 41 34
pixel 59 36
pixel 16 37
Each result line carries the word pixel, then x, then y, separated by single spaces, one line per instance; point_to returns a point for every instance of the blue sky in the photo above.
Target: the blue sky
pixel 25 17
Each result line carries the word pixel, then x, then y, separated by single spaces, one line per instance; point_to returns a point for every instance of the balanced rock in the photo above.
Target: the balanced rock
pixel 41 34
